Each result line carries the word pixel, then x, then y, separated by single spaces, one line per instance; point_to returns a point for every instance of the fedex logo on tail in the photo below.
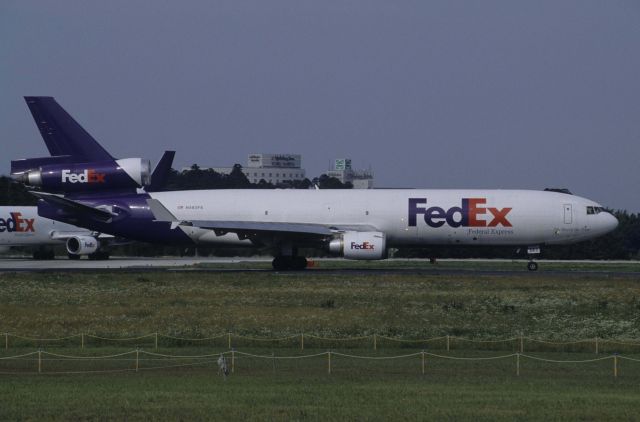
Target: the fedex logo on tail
pixel 471 213
pixel 16 223
pixel 87 176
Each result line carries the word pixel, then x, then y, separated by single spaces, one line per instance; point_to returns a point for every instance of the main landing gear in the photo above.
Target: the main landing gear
pixel 283 262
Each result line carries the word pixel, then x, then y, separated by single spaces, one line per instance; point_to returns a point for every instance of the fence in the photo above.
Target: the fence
pixel 43 362
pixel 520 344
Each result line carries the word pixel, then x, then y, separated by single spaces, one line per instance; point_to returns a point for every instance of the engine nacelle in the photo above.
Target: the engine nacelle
pixel 82 245
pixel 80 177
pixel 360 245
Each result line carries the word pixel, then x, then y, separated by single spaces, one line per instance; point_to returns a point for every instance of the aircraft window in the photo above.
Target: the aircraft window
pixel 590 210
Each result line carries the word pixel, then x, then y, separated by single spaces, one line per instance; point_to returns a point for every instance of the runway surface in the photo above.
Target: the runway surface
pixel 396 266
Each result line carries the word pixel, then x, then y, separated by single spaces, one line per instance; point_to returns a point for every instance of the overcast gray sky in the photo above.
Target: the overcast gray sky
pixel 433 94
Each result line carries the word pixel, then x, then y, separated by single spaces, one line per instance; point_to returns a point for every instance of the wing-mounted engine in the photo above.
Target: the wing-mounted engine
pixel 360 245
pixel 82 245
pixel 127 173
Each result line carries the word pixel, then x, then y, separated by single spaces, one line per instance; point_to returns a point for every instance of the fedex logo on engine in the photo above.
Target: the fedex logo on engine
pixel 16 223
pixel 471 213
pixel 362 246
pixel 87 176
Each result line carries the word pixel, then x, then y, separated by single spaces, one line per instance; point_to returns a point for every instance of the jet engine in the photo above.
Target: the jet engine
pixel 82 245
pixel 78 177
pixel 360 245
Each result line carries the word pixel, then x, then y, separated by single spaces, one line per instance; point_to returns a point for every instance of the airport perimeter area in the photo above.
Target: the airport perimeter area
pixel 462 341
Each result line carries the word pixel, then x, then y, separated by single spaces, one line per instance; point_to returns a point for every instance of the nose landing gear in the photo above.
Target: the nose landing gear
pixel 532 250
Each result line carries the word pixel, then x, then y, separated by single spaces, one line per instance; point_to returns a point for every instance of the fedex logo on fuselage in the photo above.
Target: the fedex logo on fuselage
pixel 16 223
pixel 87 176
pixel 362 246
pixel 471 213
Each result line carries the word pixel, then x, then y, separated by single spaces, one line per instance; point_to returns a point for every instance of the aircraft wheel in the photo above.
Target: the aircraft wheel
pixel 73 256
pixel 280 263
pixel 532 266
pixel 299 263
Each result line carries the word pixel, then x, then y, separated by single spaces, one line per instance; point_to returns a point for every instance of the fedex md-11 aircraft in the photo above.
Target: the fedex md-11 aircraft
pixel 355 224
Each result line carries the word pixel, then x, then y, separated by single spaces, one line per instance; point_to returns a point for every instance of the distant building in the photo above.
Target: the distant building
pixel 342 170
pixel 273 168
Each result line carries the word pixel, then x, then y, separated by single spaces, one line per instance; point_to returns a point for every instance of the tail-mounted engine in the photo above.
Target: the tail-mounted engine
pixel 360 245
pixel 128 173
pixel 82 245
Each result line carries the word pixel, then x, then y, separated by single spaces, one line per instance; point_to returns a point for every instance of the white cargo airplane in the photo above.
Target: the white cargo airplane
pixel 21 226
pixel 363 224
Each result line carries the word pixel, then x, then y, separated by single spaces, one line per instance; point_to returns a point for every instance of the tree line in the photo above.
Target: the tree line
pixel 622 243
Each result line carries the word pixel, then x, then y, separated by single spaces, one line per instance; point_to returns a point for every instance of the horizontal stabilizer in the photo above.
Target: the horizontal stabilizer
pixel 74 208
pixel 26 164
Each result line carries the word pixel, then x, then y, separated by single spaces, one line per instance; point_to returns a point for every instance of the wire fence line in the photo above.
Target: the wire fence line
pixel 519 344
pixel 43 362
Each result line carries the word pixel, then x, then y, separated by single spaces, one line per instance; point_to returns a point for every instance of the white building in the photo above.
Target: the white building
pixel 361 179
pixel 273 168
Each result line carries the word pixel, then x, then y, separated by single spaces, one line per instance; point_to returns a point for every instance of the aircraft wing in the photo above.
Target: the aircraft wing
pixel 64 235
pixel 74 207
pixel 258 228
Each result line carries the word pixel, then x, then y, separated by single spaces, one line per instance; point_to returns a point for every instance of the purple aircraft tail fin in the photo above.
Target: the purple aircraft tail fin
pixel 62 134
pixel 161 172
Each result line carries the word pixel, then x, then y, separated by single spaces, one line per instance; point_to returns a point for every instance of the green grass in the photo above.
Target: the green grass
pixel 353 391
pixel 187 304
pixel 481 306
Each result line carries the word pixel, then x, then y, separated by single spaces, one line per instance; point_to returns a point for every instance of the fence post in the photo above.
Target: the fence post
pixel 518 364
pixel 82 341
pixel 521 344
pixel 596 345
pixel 229 340
pixel 156 340
pixel 137 358
pixel 447 342
pixel 329 361
pixel 302 341
pixel 422 362
pixel 375 342
pixel 615 366
pixel 233 360
pixel 39 361
pixel 6 341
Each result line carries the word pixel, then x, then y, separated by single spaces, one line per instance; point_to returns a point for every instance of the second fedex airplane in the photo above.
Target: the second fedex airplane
pixel 107 196
pixel 21 226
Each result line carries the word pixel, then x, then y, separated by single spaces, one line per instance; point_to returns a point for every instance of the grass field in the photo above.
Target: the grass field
pixel 482 306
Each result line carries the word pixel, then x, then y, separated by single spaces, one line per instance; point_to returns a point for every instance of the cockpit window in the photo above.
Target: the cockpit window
pixel 590 211
pixel 594 210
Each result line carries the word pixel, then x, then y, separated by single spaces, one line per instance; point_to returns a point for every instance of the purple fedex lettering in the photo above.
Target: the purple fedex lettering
pixel 465 216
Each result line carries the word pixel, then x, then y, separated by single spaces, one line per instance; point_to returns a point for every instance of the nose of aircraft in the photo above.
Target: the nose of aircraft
pixel 609 222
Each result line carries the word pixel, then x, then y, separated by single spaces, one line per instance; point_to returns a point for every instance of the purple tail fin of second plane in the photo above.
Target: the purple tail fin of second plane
pixel 62 134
